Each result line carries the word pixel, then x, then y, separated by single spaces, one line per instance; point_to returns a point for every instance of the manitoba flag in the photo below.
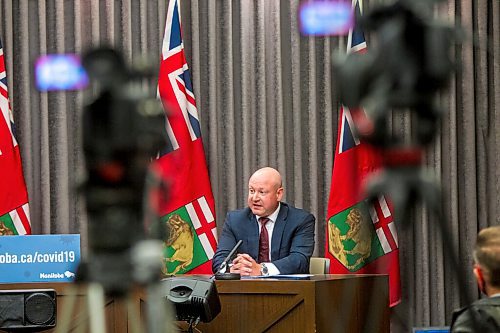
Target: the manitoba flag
pixel 361 236
pixel 189 210
pixel 14 210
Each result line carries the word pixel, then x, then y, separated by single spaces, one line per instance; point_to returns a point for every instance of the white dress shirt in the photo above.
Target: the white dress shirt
pixel 272 269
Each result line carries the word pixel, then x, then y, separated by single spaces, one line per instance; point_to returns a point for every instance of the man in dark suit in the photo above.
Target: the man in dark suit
pixel 483 315
pixel 277 238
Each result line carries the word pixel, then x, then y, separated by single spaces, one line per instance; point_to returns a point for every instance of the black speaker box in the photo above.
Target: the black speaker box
pixel 192 297
pixel 27 310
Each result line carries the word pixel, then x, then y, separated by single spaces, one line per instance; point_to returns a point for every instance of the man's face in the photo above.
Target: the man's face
pixel 264 195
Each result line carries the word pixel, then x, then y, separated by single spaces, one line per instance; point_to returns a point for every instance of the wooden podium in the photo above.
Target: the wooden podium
pixel 324 303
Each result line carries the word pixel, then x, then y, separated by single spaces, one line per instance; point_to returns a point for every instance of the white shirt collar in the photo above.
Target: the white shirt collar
pixel 274 216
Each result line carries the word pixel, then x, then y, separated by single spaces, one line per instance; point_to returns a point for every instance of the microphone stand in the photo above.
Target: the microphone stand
pixel 222 273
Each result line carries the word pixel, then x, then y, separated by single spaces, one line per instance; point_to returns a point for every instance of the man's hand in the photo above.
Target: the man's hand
pixel 245 265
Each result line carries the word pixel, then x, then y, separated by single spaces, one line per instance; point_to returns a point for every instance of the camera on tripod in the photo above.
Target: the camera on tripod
pixel 123 129
pixel 411 62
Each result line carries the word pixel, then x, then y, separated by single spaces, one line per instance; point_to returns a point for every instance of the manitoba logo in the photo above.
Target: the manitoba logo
pixel 361 234
pixel 192 237
pixel 51 276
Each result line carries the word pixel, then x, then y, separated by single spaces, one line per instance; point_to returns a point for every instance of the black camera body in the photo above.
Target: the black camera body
pixel 410 63
pixel 123 129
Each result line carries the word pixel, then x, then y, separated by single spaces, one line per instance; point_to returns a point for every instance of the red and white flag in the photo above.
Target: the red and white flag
pixel 14 208
pixel 361 236
pixel 190 209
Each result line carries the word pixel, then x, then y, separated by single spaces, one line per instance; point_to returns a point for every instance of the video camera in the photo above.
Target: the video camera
pixel 123 129
pixel 410 63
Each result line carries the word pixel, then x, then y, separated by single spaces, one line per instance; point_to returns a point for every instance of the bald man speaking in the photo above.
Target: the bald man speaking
pixel 277 238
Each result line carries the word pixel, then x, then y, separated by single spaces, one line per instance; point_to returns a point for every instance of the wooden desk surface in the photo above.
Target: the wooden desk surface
pixel 324 303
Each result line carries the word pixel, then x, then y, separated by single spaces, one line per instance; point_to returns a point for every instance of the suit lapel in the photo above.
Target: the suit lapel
pixel 252 236
pixel 279 227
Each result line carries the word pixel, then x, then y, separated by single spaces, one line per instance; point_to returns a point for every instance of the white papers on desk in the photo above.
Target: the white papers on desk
pixel 280 277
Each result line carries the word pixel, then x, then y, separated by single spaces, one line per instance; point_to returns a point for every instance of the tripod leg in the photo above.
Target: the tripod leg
pixel 95 303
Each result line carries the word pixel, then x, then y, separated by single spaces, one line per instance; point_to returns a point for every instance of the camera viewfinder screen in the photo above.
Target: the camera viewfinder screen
pixel 60 72
pixel 326 18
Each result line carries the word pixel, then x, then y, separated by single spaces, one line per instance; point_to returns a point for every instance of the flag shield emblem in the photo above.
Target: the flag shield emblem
pixel 6 226
pixel 183 249
pixel 352 239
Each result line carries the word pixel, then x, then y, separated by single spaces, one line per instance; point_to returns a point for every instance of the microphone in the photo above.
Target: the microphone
pixel 223 266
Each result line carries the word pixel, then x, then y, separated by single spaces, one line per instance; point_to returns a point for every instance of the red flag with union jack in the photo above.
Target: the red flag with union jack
pixel 189 210
pixel 14 209
pixel 361 236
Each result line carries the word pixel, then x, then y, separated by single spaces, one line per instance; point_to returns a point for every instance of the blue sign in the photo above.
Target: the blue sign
pixel 39 258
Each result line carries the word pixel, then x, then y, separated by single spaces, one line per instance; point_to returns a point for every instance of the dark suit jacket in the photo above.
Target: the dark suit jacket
pixel 486 312
pixel 292 243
